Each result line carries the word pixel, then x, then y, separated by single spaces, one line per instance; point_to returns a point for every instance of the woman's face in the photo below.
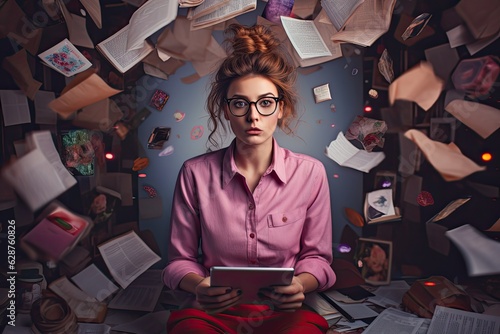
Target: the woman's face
pixel 377 259
pixel 253 128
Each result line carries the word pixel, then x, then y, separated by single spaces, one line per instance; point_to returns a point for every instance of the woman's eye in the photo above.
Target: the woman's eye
pixel 266 103
pixel 240 103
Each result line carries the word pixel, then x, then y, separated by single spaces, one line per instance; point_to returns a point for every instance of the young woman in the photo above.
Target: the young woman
pixel 252 203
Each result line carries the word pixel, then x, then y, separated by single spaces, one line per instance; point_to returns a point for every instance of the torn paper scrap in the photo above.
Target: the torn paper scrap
pixel 446 158
pixel 419 84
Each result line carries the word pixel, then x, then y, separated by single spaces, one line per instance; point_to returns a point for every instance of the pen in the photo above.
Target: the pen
pixel 337 307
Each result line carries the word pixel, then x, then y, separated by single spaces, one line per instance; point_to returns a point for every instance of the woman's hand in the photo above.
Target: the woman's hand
pixel 286 298
pixel 215 299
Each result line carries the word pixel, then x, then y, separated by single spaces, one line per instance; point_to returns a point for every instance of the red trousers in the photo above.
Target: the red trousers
pixel 246 319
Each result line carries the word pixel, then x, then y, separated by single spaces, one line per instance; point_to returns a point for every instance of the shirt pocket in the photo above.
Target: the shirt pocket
pixel 284 230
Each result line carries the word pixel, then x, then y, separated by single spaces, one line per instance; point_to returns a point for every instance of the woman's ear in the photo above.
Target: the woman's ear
pixel 280 109
pixel 226 112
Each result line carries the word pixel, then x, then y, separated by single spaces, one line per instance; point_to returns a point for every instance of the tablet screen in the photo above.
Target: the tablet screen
pixel 250 279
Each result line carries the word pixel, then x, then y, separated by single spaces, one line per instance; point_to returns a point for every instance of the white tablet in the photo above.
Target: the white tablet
pixel 250 279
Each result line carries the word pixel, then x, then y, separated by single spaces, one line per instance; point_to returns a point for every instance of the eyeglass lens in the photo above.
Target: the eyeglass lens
pixel 265 106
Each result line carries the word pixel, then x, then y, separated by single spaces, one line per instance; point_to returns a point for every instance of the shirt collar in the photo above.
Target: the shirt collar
pixel 277 166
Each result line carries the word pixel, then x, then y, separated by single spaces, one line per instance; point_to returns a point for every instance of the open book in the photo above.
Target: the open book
pixel 39 175
pixel 227 11
pixel 346 154
pixel 128 46
pixel 379 207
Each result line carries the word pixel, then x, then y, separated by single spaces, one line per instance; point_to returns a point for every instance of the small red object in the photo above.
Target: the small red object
pixel 425 198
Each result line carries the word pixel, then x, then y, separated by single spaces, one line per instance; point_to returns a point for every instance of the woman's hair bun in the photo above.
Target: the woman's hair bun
pixel 247 40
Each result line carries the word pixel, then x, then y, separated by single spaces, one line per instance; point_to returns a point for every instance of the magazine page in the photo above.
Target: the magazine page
pixel 65 58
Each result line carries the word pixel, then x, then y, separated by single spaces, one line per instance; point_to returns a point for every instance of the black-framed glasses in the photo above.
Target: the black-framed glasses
pixel 266 106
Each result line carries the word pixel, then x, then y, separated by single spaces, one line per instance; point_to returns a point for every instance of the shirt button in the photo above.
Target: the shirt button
pixel 284 219
pixel 252 235
pixel 250 206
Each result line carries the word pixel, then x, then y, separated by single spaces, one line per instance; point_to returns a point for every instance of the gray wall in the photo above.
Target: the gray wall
pixel 317 128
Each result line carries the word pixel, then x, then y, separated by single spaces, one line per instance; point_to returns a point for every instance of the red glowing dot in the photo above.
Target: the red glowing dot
pixel 430 283
pixel 486 156
pixel 109 156
pixel 368 109
pixel 142 175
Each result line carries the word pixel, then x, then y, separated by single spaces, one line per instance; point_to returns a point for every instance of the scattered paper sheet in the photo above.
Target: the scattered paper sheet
pixel 446 158
pixel 305 38
pixel 481 17
pixel 142 294
pixel 339 11
pixel 18 67
pixel 15 107
pixel 482 260
pixel 443 59
pixel 481 118
pixel 419 84
pixel 396 321
pixel 65 58
pixel 459 35
pixel 93 7
pixel 77 27
pixel 197 46
pixel 448 320
pixel 127 257
pixel 150 17
pixel 93 282
pixel 85 89
pixel 368 22
pixel 346 154
pixel 86 308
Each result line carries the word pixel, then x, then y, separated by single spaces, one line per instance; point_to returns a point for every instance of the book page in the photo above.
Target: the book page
pixel 346 154
pixel 305 38
pixel 93 7
pixel 150 17
pixel 127 257
pixel 340 10
pixel 15 107
pixel 453 321
pixel 114 49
